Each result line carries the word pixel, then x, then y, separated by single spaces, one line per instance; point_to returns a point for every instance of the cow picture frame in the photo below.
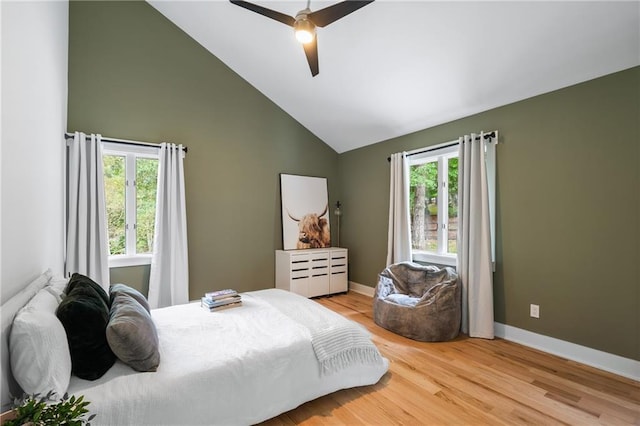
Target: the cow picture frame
pixel 305 212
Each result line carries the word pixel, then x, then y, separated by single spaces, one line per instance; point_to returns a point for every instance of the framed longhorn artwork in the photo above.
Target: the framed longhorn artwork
pixel 305 212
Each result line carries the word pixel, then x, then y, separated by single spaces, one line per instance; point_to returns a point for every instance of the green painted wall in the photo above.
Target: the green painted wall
pixel 568 198
pixel 135 276
pixel 568 210
pixel 135 75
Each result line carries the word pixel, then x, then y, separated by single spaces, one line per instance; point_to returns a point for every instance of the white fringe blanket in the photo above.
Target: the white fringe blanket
pixel 339 347
pixel 337 341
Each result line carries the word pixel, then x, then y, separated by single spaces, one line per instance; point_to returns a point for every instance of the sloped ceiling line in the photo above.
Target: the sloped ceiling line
pixel 396 67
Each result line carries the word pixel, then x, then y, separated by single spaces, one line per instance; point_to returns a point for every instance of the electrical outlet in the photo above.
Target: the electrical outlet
pixel 534 311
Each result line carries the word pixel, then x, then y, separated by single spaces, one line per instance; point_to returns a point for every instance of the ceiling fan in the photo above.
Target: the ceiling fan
pixel 306 21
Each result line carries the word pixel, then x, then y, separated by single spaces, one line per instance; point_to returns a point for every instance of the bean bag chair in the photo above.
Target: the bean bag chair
pixel 419 302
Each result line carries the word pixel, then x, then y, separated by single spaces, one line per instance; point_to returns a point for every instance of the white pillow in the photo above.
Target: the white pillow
pixel 57 286
pixel 38 348
pixel 8 385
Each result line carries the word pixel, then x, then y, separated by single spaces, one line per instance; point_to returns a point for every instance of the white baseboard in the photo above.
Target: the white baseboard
pixel 361 288
pixel 602 360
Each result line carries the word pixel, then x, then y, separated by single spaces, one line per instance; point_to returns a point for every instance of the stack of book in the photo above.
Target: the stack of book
pixel 220 299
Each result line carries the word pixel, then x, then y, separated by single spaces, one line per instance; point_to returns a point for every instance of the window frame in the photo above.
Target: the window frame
pixel 441 156
pixel 451 150
pixel 131 153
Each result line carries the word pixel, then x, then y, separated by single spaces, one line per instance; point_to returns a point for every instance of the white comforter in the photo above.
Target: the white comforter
pixel 237 366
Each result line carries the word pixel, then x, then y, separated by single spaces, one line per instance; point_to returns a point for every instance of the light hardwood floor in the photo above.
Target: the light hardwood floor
pixel 469 382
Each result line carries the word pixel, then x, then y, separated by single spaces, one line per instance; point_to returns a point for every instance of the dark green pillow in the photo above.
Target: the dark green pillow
pixel 84 313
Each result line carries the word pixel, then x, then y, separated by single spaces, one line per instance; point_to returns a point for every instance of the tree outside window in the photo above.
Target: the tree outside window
pixel 130 180
pixel 433 202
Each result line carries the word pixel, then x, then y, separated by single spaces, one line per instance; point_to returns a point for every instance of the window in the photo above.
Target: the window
pixel 433 204
pixel 130 180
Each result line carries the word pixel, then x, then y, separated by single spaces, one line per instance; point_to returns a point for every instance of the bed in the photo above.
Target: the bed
pixel 241 365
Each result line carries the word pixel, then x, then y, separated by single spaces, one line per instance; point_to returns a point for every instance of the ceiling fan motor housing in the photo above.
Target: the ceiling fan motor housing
pixel 304 29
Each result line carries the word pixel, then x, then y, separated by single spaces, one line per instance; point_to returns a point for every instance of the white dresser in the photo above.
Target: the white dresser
pixel 312 272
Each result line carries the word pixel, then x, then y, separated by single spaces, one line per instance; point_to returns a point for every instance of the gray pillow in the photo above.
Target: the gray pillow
pixel 131 333
pixel 116 289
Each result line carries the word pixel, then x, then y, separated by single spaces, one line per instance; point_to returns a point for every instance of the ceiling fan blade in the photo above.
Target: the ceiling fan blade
pixel 280 17
pixel 311 51
pixel 324 17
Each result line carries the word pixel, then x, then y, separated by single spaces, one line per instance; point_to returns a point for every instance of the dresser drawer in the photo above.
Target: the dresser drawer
pixel 338 268
pixel 338 259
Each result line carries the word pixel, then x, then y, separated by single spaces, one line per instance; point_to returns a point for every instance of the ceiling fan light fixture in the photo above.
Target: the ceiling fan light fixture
pixel 305 30
pixel 305 22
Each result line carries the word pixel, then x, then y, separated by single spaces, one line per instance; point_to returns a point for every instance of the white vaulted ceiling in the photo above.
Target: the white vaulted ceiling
pixel 395 67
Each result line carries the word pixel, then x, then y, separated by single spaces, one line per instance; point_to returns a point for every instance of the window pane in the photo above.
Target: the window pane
pixel 146 181
pixel 114 185
pixel 452 227
pixel 424 206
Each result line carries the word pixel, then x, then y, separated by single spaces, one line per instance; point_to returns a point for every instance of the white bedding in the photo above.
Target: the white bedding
pixel 236 366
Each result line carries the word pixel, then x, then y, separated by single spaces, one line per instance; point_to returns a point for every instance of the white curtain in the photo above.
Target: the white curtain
pixel 399 243
pixel 87 237
pixel 474 238
pixel 169 276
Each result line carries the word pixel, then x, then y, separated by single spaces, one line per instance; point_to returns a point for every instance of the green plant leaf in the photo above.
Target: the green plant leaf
pixel 70 410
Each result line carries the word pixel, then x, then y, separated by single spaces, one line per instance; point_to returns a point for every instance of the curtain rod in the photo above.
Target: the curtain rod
pixel 124 141
pixel 422 151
